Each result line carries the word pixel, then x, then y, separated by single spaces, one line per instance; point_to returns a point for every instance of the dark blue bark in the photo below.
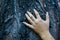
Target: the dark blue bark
pixel 13 14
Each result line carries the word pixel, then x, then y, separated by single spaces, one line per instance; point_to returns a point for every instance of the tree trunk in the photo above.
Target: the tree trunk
pixel 12 14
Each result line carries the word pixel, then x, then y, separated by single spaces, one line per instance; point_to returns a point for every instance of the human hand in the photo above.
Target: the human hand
pixel 37 24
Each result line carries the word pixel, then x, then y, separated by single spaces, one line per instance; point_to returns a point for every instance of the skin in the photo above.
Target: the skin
pixel 38 25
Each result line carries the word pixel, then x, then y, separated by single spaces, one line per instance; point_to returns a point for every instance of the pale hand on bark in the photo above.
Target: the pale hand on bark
pixel 38 25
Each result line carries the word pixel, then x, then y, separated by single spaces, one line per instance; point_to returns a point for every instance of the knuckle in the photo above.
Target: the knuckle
pixel 30 16
pixel 36 21
pixel 36 13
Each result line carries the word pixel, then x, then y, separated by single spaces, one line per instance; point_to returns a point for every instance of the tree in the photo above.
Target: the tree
pixel 12 14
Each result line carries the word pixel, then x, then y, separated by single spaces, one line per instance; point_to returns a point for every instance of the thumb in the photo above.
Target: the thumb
pixel 47 16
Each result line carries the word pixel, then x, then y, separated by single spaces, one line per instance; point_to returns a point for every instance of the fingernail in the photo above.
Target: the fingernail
pixel 27 11
pixel 47 13
pixel 34 9
pixel 25 14
pixel 23 22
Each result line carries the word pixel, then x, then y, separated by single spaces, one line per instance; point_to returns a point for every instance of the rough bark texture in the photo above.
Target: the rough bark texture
pixel 12 14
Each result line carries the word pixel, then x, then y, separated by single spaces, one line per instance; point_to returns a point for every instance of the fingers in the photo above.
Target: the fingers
pixel 31 16
pixel 47 16
pixel 37 14
pixel 28 24
pixel 29 19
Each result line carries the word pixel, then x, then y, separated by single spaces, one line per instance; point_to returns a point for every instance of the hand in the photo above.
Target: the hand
pixel 37 24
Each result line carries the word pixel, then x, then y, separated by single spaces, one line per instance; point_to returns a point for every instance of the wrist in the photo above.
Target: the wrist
pixel 44 32
pixel 46 35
